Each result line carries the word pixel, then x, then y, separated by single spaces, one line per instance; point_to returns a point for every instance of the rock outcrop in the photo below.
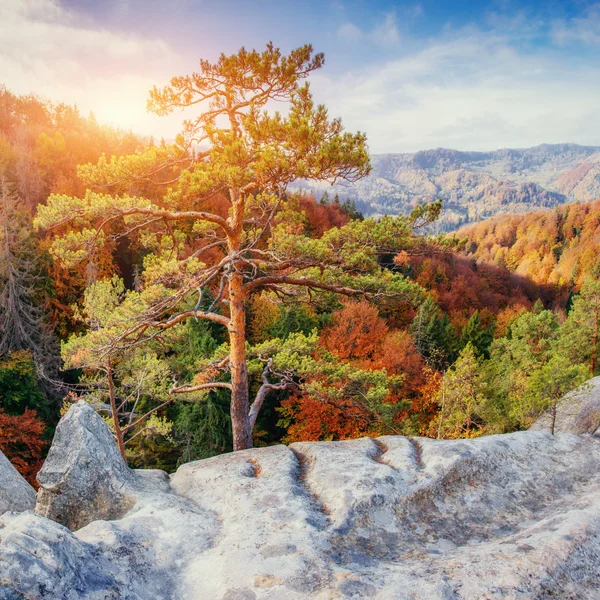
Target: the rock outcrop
pixel 15 493
pixel 578 412
pixel 84 477
pixel 511 516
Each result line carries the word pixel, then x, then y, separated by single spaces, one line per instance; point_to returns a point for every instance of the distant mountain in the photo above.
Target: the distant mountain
pixel 474 185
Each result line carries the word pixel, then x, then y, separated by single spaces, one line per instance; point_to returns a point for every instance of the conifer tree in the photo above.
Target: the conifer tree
pixel 476 334
pixel 462 413
pixel 434 334
pixel 548 384
pixel 236 148
pixel 580 334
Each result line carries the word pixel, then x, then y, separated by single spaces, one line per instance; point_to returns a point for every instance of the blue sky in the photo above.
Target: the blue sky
pixel 412 75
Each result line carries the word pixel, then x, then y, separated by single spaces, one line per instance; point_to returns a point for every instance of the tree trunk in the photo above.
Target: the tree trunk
pixel 553 415
pixel 240 423
pixel 113 409
pixel 439 433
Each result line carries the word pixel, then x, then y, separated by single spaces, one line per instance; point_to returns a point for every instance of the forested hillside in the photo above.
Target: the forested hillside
pixel 41 145
pixel 555 249
pixel 167 286
pixel 476 185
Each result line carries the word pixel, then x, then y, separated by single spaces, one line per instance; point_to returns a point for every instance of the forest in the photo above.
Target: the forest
pixel 200 306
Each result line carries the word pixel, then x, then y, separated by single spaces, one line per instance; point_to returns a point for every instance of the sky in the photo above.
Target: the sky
pixel 411 75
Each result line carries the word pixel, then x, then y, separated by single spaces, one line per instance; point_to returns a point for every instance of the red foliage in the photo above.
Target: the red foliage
pixel 21 442
pixel 462 285
pixel 322 217
pixel 398 356
pixel 427 408
pixel 358 335
pixel 312 420
pixel 356 332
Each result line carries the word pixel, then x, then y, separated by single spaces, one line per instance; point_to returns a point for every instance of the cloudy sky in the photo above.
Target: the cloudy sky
pixel 412 75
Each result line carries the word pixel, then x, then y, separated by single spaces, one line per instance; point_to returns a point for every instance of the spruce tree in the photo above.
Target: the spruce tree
pixel 476 334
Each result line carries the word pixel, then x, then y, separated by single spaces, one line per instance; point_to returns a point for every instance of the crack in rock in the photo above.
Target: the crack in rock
pixel 303 469
pixel 417 453
pixel 381 451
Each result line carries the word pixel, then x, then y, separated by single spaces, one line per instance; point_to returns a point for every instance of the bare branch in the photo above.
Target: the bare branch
pixel 264 389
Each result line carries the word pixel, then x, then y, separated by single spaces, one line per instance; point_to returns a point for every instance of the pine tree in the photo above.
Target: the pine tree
pixel 549 384
pixel 434 334
pixel 580 334
pixel 461 414
pixel 249 156
pixel 476 334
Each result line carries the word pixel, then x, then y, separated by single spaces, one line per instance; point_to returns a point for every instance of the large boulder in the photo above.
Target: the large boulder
pixel 84 477
pixel 578 412
pixel 42 559
pixel 15 493
pixel 510 516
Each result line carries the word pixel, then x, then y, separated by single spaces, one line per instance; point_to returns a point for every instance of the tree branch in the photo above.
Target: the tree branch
pixel 187 389
pixel 270 280
pixel 264 389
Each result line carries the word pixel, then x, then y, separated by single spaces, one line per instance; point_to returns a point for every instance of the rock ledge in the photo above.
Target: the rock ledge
pixel 510 516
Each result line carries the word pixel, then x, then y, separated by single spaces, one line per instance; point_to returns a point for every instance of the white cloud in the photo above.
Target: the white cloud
pixel 470 89
pixel 43 50
pixel 386 33
pixel 584 28
pixel 349 31
pixel 467 88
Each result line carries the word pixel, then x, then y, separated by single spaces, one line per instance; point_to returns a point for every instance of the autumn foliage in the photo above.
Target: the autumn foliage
pixel 22 443
pixel 462 285
pixel 358 335
pixel 553 249
pixel 364 365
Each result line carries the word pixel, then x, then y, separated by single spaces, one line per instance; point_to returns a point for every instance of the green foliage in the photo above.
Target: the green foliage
pixel 195 342
pixel 203 428
pixel 349 207
pixel 462 398
pixel 435 337
pixel 548 384
pixel 19 387
pixel 476 334
pixel 580 335
pixel 325 377
pixel 294 318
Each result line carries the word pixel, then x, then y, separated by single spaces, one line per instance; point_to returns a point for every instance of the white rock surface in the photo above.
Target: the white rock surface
pixel 15 493
pixel 84 477
pixel 578 412
pixel 514 517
